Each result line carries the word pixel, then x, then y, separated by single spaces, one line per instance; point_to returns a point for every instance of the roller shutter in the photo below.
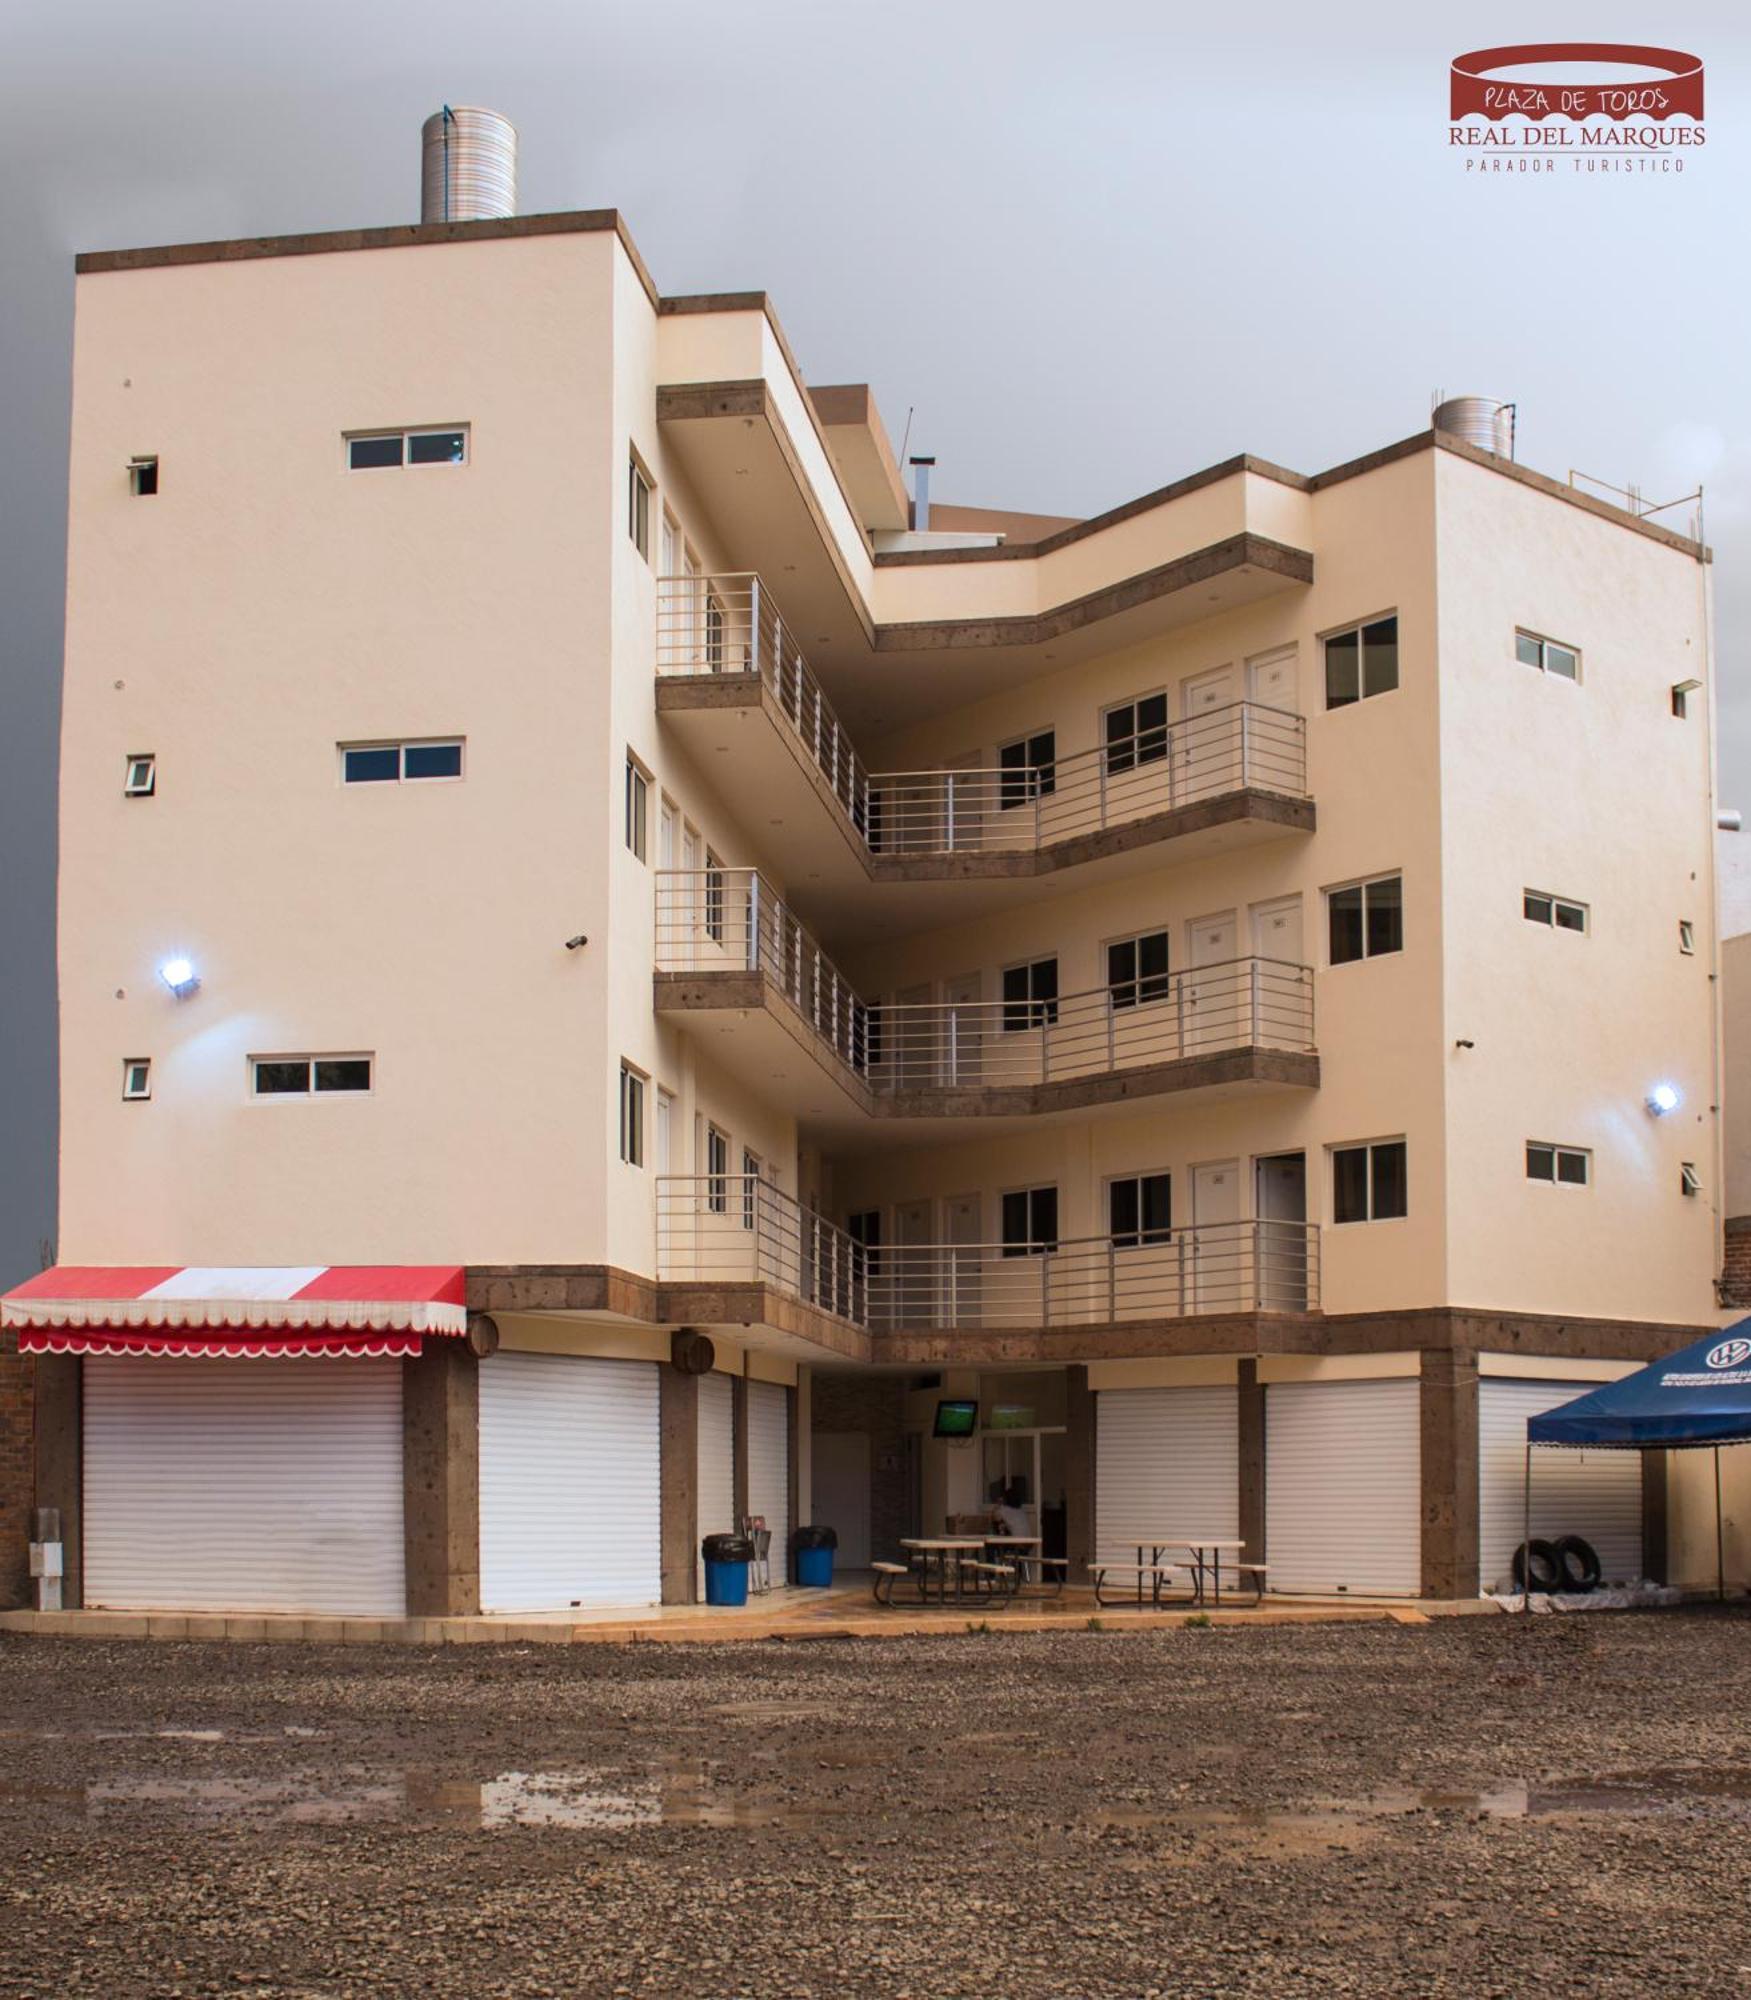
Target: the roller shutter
pixel 1597 1494
pixel 1166 1461
pixel 716 1460
pixel 769 1467
pixel 243 1486
pixel 570 1490
pixel 1343 1487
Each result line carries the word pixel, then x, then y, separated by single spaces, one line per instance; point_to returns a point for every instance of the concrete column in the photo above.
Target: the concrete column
pixel 678 1476
pixel 1251 1395
pixel 1448 1408
pixel 1080 1444
pixel 60 1462
pixel 440 1474
pixel 1656 1533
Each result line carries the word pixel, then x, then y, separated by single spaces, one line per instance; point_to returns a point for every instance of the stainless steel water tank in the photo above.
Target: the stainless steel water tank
pixel 469 165
pixel 1479 420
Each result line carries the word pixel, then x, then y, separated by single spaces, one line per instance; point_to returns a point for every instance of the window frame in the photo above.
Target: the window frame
pixel 143 475
pixel 715 897
pixel 1144 989
pixel 134 762
pixel 405 436
pixel 1033 1197
pixel 638 809
pixel 1358 630
pixel 1558 1153
pixel 1555 903
pixel 401 745
pixel 1144 1235
pixel 641 490
pixel 1360 888
pixel 1369 1148
pixel 1031 777
pixel 1035 1009
pixel 1686 937
pixel 717 1169
pixel 311 1064
pixel 634 1094
pixel 142 1065
pixel 1543 644
pixel 864 1227
pixel 1143 743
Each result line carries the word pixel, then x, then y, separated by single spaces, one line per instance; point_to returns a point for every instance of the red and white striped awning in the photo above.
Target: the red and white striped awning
pixel 248 1311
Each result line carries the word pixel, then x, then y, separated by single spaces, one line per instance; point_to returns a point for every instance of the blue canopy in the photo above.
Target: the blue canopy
pixel 1700 1395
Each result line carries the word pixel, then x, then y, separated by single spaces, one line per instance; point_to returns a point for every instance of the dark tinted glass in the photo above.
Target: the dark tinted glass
pixel 1122 1211
pixel 1152 729
pixel 432 760
pixel 362 452
pixel 146 479
pixel 1041 751
pixel 1043 1203
pixel 1540 1163
pixel 1389 1181
pixel 1015 994
pixel 1015 1224
pixel 1345 908
pixel 1572 1167
pixel 1157 1207
pixel 1349 1178
pixel 1152 980
pixel 1121 747
pixel 1570 917
pixel 436 448
pixel 348 1073
pixel 372 767
pixel 1380 656
pixel 281 1079
pixel 1537 908
pixel 1385 916
pixel 1343 679
pixel 1122 974
pixel 1012 786
pixel 1527 650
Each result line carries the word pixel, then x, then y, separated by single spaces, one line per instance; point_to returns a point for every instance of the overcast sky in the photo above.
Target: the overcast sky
pixel 1094 247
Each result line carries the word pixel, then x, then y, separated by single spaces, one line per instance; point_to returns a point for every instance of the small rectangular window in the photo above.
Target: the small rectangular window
pixel 137 1078
pixel 1681 693
pixel 638 799
pixel 1689 1180
pixel 140 780
pixel 1361 662
pixel 436 447
pixel 1140 1210
pixel 1561 913
pixel 1030 1222
pixel 632 1085
pixel 431 760
pixel 300 1076
pixel 1686 937
pixel 1550 656
pixel 1137 970
pixel 1027 769
pixel 1369 1183
pixel 447 446
pixel 1030 996
pixel 341 1073
pixel 638 508
pixel 1365 919
pixel 392 763
pixel 1562 1166
pixel 1135 733
pixel 143 475
pixel 366 452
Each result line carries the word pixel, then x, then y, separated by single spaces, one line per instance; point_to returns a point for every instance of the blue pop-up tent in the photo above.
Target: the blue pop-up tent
pixel 1698 1397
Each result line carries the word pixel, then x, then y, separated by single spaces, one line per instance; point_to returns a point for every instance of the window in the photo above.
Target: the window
pixel 638 801
pixel 1137 970
pixel 427 447
pixel 1687 937
pixel 1030 995
pixel 1361 662
pixel 865 1230
pixel 750 1186
pixel 638 508
pixel 1368 1182
pixel 143 475
pixel 300 1076
pixel 632 1087
pixel 140 777
pixel 714 897
pixel 1681 693
pixel 137 1078
pixel 1562 1166
pixel 1558 911
pixel 670 546
pixel 1547 655
pixel 717 1168
pixel 1136 733
pixel 714 632
pixel 1689 1180
pixel 1365 919
pixel 1030 1222
pixel 1140 1210
pixel 1028 769
pixel 393 763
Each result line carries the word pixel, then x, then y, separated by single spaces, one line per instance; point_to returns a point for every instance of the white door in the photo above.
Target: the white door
pixel 1594 1494
pixel 243 1486
pixel 1166 1462
pixel 963 1030
pixel 1270 679
pixel 963 1220
pixel 570 1500
pixel 1277 1009
pixel 769 1467
pixel 1211 1009
pixel 1276 930
pixel 1215 1277
pixel 840 1496
pixel 665 1137
pixel 715 1460
pixel 1207 743
pixel 1343 1487
pixel 1281 1207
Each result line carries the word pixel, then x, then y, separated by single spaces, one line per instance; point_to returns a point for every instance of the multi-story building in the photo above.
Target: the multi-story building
pixel 554 842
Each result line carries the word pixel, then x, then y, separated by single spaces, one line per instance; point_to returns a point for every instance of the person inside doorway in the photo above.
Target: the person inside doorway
pixel 1010 1509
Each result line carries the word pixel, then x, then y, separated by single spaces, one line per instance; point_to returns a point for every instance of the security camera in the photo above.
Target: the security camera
pixel 572 943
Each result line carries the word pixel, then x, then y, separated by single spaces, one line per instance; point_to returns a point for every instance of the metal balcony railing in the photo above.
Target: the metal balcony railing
pixel 740 1229
pixel 730 625
pixel 733 920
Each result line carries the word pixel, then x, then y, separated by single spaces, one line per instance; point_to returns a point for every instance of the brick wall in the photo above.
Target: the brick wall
pixel 1736 1272
pixel 17 1471
pixel 873 1404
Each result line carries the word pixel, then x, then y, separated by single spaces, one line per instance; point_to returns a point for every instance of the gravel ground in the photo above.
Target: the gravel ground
pixel 1479 1806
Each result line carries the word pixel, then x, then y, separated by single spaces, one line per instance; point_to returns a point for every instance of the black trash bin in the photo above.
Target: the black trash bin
pixel 812 1550
pixel 726 1568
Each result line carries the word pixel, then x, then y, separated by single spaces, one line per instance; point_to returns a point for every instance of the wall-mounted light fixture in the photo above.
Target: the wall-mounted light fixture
pixel 576 943
pixel 180 976
pixel 1663 1097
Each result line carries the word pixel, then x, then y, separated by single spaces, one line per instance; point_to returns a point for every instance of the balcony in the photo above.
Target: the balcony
pixel 729 947
pixel 737 1229
pixel 732 679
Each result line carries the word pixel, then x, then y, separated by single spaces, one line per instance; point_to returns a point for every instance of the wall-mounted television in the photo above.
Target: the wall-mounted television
pixel 956 1419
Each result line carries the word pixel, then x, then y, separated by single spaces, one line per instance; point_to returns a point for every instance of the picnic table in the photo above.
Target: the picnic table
pixel 1203 1567
pixel 1026 1553
pixel 932 1557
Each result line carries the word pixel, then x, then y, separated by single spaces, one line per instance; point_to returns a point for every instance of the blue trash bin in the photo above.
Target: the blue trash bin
pixel 812 1552
pixel 726 1568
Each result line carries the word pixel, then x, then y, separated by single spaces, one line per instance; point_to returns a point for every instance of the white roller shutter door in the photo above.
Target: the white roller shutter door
pixel 244 1486
pixel 769 1467
pixel 1597 1494
pixel 716 1462
pixel 570 1487
pixel 1343 1487
pixel 1165 1460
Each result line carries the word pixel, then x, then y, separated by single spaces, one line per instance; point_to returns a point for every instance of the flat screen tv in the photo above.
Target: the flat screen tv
pixel 956 1419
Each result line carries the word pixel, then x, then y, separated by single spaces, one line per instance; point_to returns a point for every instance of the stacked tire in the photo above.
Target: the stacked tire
pixel 1569 1565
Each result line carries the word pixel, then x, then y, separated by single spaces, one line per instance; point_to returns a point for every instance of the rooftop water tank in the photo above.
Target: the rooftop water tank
pixel 469 165
pixel 1478 420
